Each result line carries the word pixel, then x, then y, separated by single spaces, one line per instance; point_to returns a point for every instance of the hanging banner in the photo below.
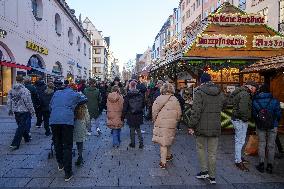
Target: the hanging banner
pixel 221 41
pixel 236 19
pixel 261 41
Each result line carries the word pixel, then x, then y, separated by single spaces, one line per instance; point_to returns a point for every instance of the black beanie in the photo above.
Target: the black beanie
pixel 205 77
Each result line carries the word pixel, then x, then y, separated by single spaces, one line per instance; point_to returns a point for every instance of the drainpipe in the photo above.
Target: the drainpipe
pixel 202 1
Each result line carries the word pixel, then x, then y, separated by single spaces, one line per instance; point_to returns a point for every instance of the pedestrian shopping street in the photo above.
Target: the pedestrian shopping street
pixel 107 167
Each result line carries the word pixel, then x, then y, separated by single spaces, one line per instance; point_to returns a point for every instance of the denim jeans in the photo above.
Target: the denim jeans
pixel 271 136
pixel 116 137
pixel 241 128
pixel 22 119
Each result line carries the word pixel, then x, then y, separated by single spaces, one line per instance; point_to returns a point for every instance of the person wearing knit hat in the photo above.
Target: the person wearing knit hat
pixel 205 123
pixel 133 108
pixel 205 77
pixel 242 113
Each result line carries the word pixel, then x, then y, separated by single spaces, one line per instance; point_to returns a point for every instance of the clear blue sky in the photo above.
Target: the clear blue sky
pixel 131 24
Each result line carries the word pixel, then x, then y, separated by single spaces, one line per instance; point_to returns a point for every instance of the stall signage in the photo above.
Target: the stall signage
pixel 236 19
pixel 221 41
pixel 37 48
pixel 274 42
pixel 3 33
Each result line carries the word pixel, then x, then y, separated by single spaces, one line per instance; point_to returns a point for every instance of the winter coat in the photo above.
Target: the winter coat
pixel 141 87
pixel 166 113
pixel 262 99
pixel 114 110
pixel 103 92
pixel 19 99
pixel 45 99
pixel 207 105
pixel 34 95
pixel 133 108
pixel 62 106
pixel 242 104
pixel 80 127
pixel 40 87
pixel 94 98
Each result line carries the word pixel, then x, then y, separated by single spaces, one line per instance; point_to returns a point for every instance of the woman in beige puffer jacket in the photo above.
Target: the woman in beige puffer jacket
pixel 114 114
pixel 166 113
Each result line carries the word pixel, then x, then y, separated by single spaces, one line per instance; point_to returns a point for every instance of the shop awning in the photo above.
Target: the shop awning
pixel 14 65
pixel 275 63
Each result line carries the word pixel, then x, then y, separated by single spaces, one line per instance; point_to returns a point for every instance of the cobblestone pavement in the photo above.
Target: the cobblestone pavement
pixel 106 167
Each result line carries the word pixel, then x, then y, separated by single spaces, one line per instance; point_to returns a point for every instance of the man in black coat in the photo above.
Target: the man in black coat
pixel 40 88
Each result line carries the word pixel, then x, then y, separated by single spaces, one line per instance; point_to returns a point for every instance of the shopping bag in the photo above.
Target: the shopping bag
pixel 252 146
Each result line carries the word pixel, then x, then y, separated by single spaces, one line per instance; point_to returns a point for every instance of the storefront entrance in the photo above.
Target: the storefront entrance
pixel 6 76
pixel 38 70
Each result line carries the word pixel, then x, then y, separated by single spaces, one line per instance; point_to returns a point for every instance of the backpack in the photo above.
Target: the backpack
pixel 264 118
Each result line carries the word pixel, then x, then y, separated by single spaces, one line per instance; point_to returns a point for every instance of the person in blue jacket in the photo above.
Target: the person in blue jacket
pixel 62 106
pixel 265 100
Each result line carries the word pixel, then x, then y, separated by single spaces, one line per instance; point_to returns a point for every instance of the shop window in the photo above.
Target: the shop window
pixel 264 13
pixel 85 49
pixel 57 68
pixel 79 43
pixel 58 24
pixel 70 36
pixel 198 3
pixel 37 65
pixel 97 60
pixel 242 4
pixel 37 9
pixel 193 7
pixel 188 13
pixel 98 51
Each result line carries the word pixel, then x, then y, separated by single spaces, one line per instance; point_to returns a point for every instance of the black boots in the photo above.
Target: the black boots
pixel 269 168
pixel 260 167
pixel 79 161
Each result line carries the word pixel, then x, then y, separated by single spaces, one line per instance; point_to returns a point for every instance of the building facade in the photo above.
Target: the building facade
pixel 44 35
pixel 272 10
pixel 100 51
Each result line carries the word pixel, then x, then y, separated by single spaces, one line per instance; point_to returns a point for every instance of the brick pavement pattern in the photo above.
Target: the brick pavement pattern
pixel 106 167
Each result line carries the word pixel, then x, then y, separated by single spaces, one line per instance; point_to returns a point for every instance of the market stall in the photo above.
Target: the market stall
pixel 223 44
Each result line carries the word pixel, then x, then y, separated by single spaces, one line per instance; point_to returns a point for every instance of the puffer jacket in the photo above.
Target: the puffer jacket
pixel 19 99
pixel 266 100
pixel 166 113
pixel 133 106
pixel 114 110
pixel 80 126
pixel 242 104
pixel 207 105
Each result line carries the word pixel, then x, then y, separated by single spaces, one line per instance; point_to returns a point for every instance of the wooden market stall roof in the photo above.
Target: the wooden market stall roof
pixel 248 52
pixel 275 63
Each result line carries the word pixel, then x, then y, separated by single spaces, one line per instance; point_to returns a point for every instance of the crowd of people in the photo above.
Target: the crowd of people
pixel 67 111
